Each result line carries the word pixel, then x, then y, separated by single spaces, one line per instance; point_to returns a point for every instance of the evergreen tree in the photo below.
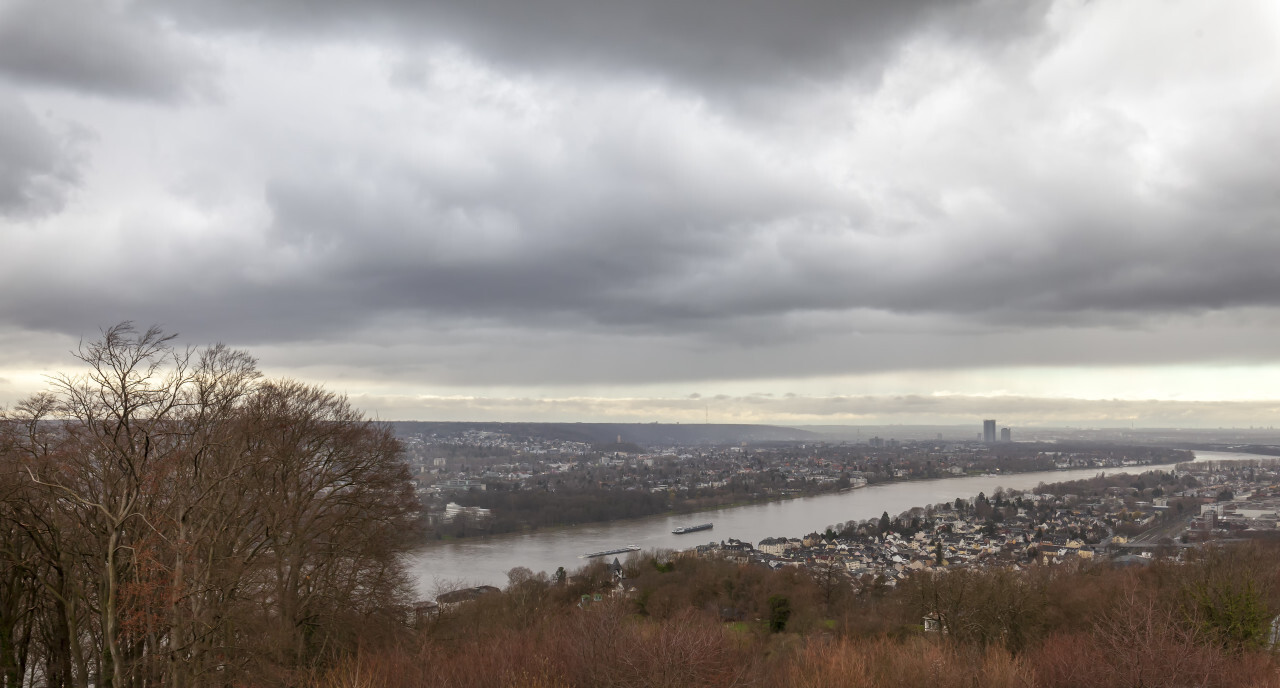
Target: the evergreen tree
pixel 779 613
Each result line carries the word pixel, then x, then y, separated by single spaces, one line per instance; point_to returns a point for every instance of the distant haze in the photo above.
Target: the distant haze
pixel 1258 439
pixel 808 213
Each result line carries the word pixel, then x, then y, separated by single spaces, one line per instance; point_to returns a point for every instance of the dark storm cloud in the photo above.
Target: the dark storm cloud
pixel 37 169
pixel 666 261
pixel 86 46
pixel 710 44
pixel 580 237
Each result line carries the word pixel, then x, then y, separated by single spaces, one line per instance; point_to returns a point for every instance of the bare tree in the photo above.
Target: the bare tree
pixel 52 556
pixel 118 445
pixel 832 581
pixel 170 519
pixel 337 511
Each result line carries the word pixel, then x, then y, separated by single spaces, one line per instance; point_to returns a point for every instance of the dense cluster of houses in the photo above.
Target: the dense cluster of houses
pixel 1050 529
pixel 1232 500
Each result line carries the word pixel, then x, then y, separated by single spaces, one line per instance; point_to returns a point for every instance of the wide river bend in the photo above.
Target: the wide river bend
pixel 447 566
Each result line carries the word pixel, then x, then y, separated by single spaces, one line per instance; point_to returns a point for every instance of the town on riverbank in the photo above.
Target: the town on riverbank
pixel 476 482
pixel 1131 519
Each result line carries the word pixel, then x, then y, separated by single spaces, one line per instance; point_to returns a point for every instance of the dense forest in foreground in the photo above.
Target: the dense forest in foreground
pixel 704 622
pixel 169 518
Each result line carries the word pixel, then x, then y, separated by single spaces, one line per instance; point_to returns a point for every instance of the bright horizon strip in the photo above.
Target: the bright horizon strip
pixel 1155 396
pixel 1185 383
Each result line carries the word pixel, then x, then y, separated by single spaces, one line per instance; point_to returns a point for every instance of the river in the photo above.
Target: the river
pixel 447 566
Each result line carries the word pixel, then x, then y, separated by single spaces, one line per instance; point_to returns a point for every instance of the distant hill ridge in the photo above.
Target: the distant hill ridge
pixel 644 434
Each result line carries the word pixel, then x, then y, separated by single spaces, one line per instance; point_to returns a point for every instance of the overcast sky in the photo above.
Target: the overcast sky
pixel 812 211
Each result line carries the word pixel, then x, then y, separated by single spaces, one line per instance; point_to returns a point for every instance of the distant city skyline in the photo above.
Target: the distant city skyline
pixel 1051 213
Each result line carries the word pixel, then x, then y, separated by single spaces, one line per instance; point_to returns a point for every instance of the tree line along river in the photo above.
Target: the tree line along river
pixel 486 561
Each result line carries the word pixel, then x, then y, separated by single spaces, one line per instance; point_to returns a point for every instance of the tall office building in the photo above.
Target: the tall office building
pixel 1006 435
pixel 988 431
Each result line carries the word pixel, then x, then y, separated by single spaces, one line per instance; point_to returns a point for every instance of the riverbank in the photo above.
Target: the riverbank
pixel 763 500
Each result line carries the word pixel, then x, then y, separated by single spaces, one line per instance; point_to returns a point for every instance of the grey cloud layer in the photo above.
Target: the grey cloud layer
pixel 37 168
pixel 86 46
pixel 711 44
pixel 642 242
pixel 569 200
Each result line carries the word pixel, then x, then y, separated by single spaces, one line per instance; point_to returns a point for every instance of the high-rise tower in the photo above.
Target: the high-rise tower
pixel 988 431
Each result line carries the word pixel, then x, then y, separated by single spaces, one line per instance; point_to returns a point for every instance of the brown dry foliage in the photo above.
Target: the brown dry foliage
pixel 916 662
pixel 1141 643
pixel 600 647
pixel 168 518
pixel 1095 627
